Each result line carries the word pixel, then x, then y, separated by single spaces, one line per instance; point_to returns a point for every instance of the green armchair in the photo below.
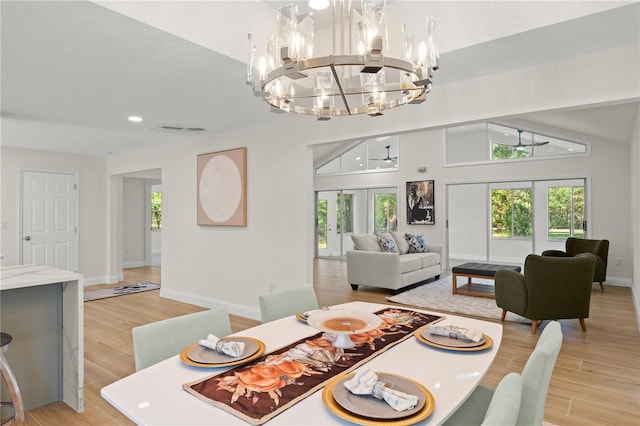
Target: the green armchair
pixel 574 246
pixel 550 288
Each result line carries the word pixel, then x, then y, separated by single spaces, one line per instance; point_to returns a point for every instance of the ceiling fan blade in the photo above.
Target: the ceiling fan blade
pixel 540 143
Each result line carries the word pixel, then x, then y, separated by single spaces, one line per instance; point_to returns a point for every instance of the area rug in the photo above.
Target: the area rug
pixel 437 296
pixel 119 291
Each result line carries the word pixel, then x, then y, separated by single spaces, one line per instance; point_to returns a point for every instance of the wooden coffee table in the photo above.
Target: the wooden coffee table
pixel 471 270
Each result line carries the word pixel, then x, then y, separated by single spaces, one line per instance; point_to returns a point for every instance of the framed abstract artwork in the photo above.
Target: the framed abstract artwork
pixel 420 205
pixel 222 188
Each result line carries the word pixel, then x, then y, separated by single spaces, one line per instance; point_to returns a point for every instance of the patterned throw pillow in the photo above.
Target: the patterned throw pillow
pixel 417 244
pixel 387 244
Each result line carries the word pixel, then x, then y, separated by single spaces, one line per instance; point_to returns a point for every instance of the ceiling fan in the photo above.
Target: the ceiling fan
pixel 521 146
pixel 388 158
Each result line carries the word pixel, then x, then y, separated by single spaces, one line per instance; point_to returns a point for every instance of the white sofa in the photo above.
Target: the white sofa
pixel 369 265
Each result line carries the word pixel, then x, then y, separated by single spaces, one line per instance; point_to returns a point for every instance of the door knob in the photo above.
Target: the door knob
pixel 27 238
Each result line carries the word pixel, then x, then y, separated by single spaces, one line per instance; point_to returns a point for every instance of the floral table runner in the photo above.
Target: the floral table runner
pixel 260 390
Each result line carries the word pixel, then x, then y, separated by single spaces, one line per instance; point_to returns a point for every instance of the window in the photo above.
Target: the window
pixel 156 210
pixel 322 224
pixel 384 212
pixel 509 143
pixel 370 155
pixel 511 213
pixel 566 212
pixel 348 213
pixel 488 142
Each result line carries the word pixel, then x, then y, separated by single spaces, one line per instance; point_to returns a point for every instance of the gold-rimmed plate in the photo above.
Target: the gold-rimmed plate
pixel 198 356
pixel 369 411
pixel 448 343
pixel 300 316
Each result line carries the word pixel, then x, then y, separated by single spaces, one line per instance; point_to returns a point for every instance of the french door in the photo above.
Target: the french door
pixel 341 213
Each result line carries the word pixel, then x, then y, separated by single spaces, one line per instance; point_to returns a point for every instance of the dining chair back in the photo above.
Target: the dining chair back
pixel 163 339
pixel 282 303
pixel 518 399
pixel 505 404
pixel 536 375
pixel 489 407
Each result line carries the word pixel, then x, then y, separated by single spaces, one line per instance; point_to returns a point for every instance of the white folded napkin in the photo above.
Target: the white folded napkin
pixel 455 332
pixel 366 382
pixel 227 347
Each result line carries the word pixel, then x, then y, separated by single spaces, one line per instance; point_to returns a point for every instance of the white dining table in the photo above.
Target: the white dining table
pixel 155 396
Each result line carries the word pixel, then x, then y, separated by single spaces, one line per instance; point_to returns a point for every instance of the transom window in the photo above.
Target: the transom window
pixel 371 155
pixel 488 142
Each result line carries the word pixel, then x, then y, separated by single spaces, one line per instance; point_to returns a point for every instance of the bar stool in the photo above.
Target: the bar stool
pixel 17 414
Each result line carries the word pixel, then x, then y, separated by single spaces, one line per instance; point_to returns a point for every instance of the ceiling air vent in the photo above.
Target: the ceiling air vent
pixel 180 129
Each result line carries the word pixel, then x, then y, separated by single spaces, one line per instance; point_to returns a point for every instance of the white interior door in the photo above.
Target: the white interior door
pixel 49 219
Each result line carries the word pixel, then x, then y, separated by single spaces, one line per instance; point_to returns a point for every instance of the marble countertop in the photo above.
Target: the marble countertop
pixel 20 276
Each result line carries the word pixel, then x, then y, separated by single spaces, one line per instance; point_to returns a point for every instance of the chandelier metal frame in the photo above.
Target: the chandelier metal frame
pixel 341 98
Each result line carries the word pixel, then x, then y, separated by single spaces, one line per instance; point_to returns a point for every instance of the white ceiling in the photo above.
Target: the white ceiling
pixel 72 71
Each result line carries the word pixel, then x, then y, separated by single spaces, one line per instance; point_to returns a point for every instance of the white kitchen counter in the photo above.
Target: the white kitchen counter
pixel 42 308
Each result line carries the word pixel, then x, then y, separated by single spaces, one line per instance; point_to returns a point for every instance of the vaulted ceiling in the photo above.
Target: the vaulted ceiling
pixel 73 71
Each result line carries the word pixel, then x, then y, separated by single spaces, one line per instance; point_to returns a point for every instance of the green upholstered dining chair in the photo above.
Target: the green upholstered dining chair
pixel 518 399
pixel 550 288
pixel 600 248
pixel 491 408
pixel 163 339
pixel 282 303
pixel 536 375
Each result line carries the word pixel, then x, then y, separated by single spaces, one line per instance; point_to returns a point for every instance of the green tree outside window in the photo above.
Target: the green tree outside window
pixel 348 213
pixel 511 213
pixel 566 212
pixel 322 224
pixel 156 210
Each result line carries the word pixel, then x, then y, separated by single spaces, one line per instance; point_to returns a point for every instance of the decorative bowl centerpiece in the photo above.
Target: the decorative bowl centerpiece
pixel 342 323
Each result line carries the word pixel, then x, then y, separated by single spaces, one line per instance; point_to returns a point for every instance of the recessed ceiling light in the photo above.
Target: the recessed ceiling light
pixel 135 118
pixel 358 158
pixel 318 4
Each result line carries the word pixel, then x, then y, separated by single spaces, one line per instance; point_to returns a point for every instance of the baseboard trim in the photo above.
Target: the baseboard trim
pixel 205 302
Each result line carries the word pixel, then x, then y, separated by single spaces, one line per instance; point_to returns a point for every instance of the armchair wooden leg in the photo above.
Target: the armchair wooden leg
pixel 534 326
pixel 601 286
pixel 582 325
pixel 504 314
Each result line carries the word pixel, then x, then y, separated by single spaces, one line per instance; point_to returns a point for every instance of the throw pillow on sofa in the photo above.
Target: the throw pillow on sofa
pixel 365 242
pixel 416 242
pixel 387 244
pixel 401 242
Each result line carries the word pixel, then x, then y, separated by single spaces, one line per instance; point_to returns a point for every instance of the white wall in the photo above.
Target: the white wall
pixel 230 266
pixel 134 214
pixel 635 213
pixel 92 187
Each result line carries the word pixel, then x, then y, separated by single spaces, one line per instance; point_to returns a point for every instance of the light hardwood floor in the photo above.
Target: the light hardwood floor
pixel 596 380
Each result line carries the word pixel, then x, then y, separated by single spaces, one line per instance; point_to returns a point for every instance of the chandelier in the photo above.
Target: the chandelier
pixel 345 69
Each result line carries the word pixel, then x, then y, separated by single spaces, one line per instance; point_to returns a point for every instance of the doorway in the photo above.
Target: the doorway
pixel 141 232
